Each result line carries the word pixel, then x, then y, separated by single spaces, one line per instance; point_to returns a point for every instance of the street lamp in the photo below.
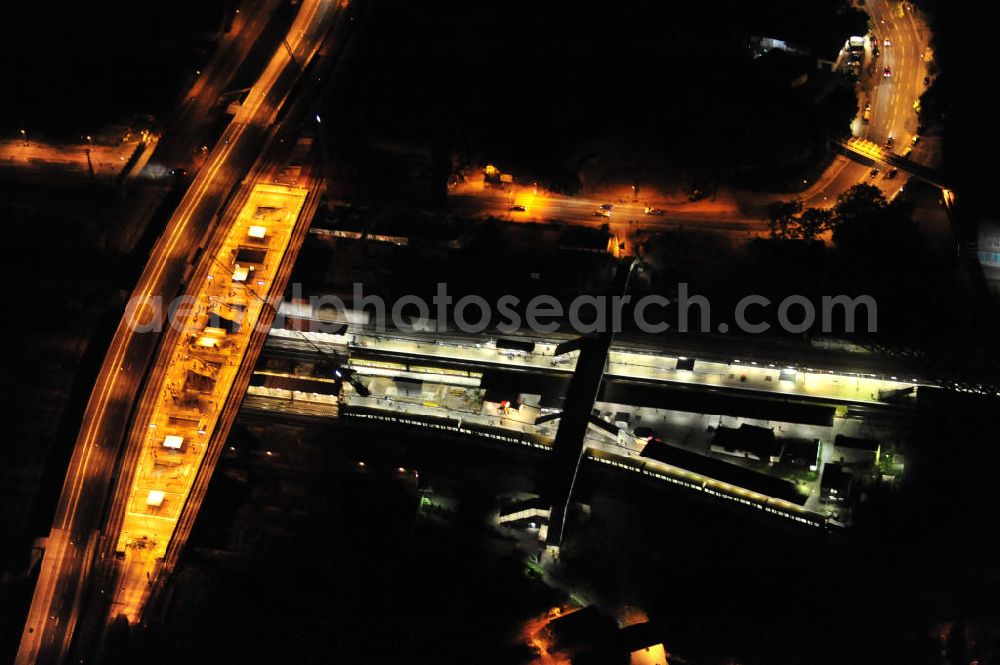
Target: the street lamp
pixel 24 136
pixel 90 164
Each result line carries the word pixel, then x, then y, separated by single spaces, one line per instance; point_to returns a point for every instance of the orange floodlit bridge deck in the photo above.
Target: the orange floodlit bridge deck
pixel 222 311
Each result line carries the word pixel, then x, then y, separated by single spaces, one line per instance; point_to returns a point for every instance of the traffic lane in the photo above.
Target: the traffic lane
pixel 160 283
pixel 623 218
pixel 92 469
pixel 850 175
pixel 255 117
pixel 912 82
pixel 904 86
pixel 857 173
pixel 107 410
pixel 883 105
pixel 130 349
pixel 62 614
pixel 91 477
pixel 878 176
pixel 900 87
pixel 59 617
pixel 891 115
pixel 41 619
pixel 183 134
pixel 882 112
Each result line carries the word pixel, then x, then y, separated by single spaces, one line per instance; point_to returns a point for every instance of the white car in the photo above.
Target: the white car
pixel 887 42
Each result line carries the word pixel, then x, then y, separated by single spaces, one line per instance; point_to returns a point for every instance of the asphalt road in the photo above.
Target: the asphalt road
pixel 580 211
pixel 49 627
pixel 892 101
pixel 892 97
pixel 893 115
pixel 80 511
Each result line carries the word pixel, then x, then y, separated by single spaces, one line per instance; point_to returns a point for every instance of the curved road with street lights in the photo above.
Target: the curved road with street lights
pixel 49 628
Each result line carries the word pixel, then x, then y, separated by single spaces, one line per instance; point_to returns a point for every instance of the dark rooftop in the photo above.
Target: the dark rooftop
pixel 835 477
pixel 800 451
pixel 858 443
pixel 757 440
pixel 785 67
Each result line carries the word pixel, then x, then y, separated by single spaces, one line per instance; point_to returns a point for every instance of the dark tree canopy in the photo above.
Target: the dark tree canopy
pixel 647 87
